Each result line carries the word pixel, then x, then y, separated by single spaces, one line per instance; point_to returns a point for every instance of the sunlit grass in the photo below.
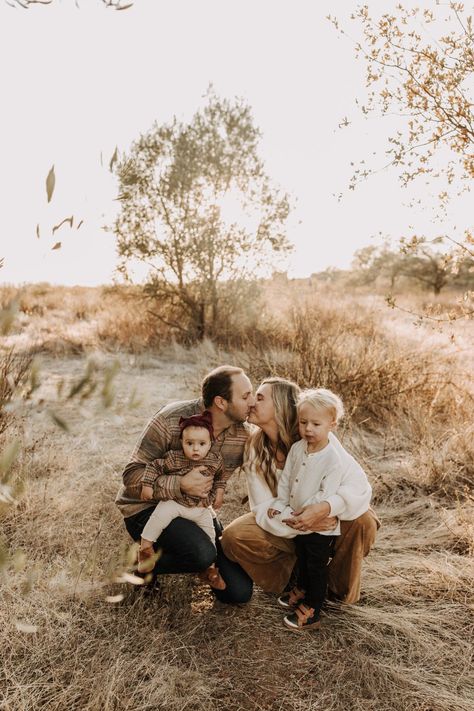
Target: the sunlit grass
pixel 74 637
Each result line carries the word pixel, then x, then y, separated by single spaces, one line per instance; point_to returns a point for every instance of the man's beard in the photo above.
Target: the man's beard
pixel 235 417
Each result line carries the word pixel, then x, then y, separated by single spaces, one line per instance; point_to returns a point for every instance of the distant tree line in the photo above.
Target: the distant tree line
pixel 419 263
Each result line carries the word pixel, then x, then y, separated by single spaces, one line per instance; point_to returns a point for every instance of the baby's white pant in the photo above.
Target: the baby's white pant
pixel 167 511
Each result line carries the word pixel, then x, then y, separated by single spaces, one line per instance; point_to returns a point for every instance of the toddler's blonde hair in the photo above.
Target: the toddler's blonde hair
pixel 322 399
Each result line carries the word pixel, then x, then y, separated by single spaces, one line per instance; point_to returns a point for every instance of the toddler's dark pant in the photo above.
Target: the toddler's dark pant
pixel 185 548
pixel 314 552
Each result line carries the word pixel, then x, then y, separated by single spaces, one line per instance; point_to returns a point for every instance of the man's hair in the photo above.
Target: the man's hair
pixel 322 399
pixel 219 383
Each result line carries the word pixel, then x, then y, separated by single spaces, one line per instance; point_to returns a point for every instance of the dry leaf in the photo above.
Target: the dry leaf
pixel 114 155
pixel 66 219
pixel 50 183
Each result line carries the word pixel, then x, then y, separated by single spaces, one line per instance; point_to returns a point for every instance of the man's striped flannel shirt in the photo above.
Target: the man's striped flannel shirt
pixel 161 435
pixel 175 463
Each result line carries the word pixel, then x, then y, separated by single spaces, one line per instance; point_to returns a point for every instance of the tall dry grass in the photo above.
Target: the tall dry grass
pixel 407 647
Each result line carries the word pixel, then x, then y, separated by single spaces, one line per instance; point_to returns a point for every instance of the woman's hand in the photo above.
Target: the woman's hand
pixel 314 517
pixel 196 482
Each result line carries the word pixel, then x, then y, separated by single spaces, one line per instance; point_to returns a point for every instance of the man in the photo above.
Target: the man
pixel 185 548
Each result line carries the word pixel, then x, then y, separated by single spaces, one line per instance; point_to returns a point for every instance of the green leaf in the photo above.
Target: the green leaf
pixel 50 183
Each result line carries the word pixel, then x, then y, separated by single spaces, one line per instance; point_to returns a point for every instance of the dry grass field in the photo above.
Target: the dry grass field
pixel 408 645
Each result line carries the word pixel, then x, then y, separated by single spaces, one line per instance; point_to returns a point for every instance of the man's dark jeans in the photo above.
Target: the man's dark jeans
pixel 185 548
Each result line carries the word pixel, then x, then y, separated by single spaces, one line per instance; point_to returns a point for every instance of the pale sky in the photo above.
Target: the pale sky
pixel 76 82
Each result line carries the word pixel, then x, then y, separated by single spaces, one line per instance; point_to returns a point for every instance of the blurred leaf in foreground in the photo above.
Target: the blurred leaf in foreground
pixel 7 457
pixel 32 577
pixel 50 183
pixel 129 578
pixel 7 317
pixel 6 494
pixel 59 421
pixel 134 400
pixel 115 598
pixel 108 391
pixel 3 556
pixel 25 627
pixel 34 380
pixel 19 561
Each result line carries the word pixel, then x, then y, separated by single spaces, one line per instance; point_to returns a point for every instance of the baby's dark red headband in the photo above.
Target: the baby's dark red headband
pixel 202 420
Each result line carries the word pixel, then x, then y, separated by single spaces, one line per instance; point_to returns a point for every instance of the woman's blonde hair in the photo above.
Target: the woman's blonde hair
pixel 259 449
pixel 322 399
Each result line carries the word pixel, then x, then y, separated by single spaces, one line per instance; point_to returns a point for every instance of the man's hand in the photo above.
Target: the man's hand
pixel 196 482
pixel 314 517
pixel 272 512
pixel 146 493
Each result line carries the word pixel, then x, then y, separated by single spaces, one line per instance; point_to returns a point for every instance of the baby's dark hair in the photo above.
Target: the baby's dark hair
pixel 202 420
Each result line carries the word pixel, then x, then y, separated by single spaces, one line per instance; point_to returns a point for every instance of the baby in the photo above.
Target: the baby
pixel 313 473
pixel 196 435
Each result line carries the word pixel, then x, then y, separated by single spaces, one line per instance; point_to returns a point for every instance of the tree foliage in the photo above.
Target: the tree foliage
pixel 198 208
pixel 419 67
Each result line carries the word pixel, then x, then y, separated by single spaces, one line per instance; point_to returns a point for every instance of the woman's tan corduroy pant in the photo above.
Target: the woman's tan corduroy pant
pixel 269 559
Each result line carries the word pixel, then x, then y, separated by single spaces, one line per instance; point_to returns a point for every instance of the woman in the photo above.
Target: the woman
pixel 267 556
